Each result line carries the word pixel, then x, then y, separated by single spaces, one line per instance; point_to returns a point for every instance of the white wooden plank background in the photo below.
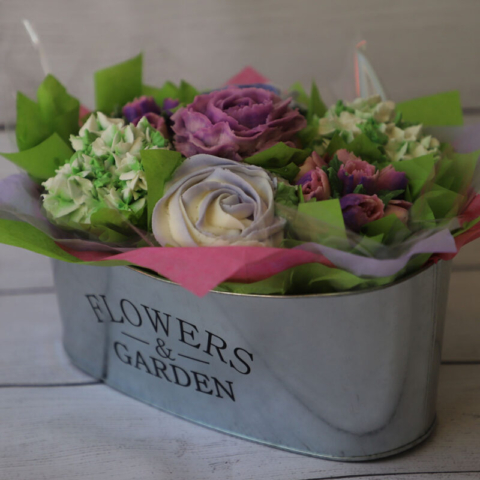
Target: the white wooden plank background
pixel 36 355
pixel 93 432
pixel 417 47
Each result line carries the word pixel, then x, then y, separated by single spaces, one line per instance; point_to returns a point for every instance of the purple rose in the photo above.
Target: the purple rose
pixel 390 179
pixel 137 109
pixel 156 121
pixel 315 184
pixel 235 123
pixel 358 210
pixel 355 171
pixel 399 208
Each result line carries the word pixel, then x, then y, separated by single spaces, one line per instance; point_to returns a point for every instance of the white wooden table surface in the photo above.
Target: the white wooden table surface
pixel 58 424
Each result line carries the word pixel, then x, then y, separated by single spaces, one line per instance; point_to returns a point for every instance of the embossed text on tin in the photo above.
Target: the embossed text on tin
pixel 166 347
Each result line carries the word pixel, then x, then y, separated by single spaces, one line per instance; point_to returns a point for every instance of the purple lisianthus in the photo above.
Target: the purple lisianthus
pixel 390 179
pixel 355 171
pixel 312 162
pixel 358 210
pixel 315 184
pixel 235 123
pixel 137 109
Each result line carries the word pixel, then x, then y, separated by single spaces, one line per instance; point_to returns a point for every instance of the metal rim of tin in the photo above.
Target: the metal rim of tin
pixel 306 295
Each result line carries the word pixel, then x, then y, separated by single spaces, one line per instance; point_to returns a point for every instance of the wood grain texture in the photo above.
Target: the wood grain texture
pixel 31 350
pixel 94 432
pixel 22 269
pixel 424 476
pixel 416 47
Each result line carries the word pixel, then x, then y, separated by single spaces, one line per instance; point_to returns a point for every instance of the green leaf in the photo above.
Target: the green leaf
pixel 442 109
pixel 118 85
pixel 289 172
pixel 42 160
pixel 287 195
pixel 301 198
pixel 110 225
pixel 419 171
pixel 318 278
pixel 278 284
pixel 391 227
pixel 308 134
pixel 456 173
pixel 328 212
pixel 31 128
pixel 336 184
pixel 421 215
pixel 335 164
pixel 361 146
pixel 23 235
pixel 336 143
pixel 302 279
pixel 360 189
pixel 56 111
pixel 301 95
pixel 158 139
pixel 186 93
pixel 387 195
pixel 168 90
pixel 159 166
pixel 60 111
pixel 368 245
pixel 443 202
pixel 278 156
pixel 316 105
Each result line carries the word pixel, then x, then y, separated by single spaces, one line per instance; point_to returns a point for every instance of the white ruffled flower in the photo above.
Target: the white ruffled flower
pixel 346 121
pixel 350 119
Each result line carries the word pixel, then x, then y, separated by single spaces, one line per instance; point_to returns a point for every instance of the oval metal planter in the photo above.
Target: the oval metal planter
pixel 348 376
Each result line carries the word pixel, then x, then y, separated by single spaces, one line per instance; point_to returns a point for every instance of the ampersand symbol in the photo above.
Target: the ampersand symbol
pixel 162 351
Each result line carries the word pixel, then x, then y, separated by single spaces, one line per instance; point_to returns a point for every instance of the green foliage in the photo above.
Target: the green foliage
pixel 42 160
pixel 159 166
pixel 55 112
pixel 287 195
pixel 280 159
pixel 442 109
pixel 119 84
pixel 316 106
pixel 387 195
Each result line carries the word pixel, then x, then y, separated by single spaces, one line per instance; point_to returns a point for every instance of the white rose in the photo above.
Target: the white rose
pixel 213 201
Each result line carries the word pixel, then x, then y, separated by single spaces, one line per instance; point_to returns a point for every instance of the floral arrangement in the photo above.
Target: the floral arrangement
pixel 281 194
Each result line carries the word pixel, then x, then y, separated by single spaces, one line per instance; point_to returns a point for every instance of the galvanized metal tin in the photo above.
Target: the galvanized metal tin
pixel 349 376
